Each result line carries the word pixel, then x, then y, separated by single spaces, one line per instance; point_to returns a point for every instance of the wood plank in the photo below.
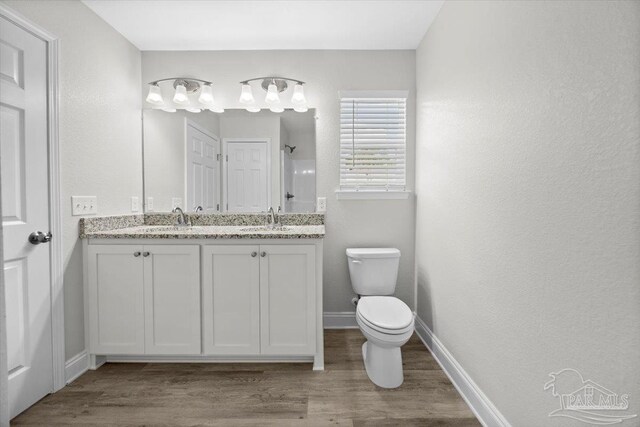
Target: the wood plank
pixel 259 394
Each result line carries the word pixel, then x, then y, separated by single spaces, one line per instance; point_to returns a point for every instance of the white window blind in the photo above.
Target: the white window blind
pixel 373 144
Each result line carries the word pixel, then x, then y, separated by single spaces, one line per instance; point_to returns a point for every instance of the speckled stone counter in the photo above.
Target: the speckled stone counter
pixel 204 226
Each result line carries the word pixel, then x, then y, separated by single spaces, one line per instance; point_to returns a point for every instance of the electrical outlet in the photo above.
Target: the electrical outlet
pixel 84 205
pixel 176 202
pixel 149 204
pixel 135 204
pixel 322 204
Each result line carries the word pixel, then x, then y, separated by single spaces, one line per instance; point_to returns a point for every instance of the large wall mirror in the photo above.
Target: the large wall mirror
pixel 235 161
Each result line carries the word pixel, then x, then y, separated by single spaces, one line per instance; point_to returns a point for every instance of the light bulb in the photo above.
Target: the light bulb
pixel 206 95
pixel 193 110
pixel 215 109
pixel 246 96
pixel 301 108
pixel 276 109
pixel 298 95
pixel 155 95
pixel 180 97
pixel 253 109
pixel 272 95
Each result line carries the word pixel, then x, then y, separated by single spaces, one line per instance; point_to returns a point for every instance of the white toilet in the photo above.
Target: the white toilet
pixel 384 320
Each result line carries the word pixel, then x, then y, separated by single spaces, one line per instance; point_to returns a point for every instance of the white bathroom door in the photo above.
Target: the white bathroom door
pixel 247 180
pixel 203 172
pixel 25 209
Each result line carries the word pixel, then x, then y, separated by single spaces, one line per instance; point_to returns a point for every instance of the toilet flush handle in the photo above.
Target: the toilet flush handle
pixel 356 261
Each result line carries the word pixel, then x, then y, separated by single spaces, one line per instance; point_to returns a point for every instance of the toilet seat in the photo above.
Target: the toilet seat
pixel 385 314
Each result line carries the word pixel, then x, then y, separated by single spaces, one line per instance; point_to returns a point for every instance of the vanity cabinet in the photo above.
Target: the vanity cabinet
pixel 144 299
pixel 223 300
pixel 259 299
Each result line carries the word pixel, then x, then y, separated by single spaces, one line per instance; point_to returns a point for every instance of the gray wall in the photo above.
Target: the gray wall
pixel 100 129
pixel 349 223
pixel 528 178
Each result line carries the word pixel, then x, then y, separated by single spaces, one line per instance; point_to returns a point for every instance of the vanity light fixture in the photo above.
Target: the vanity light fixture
pixel 180 97
pixel 155 95
pixel 193 95
pixel 274 86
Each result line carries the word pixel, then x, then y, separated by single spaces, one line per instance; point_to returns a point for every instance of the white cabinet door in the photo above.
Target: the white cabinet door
pixel 116 299
pixel 172 299
pixel 287 299
pixel 231 299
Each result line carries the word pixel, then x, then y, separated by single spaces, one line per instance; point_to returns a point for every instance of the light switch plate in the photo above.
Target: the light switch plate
pixel 322 204
pixel 176 202
pixel 84 205
pixel 149 204
pixel 135 204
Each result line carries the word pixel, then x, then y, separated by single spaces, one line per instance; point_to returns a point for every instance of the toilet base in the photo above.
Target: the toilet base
pixel 383 365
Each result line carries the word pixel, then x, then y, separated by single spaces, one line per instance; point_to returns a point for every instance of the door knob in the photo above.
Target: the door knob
pixel 263 254
pixel 145 254
pixel 136 254
pixel 254 253
pixel 38 237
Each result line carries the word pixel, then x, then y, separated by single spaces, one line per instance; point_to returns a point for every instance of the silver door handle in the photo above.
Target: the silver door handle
pixel 38 237
pixel 145 254
pixel 253 254
pixel 136 254
pixel 263 254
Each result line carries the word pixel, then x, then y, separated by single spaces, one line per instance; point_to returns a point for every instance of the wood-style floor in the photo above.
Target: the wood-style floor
pixel 259 394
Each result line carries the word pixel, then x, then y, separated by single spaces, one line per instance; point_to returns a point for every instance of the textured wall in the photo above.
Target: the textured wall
pixel 349 223
pixel 528 177
pixel 100 129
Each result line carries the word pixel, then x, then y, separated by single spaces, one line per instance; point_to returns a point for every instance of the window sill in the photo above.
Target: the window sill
pixel 372 195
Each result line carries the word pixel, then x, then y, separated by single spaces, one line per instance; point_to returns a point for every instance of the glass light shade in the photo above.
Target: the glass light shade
pixel 206 95
pixel 276 109
pixel 215 109
pixel 193 110
pixel 300 108
pixel 169 109
pixel 253 109
pixel 155 95
pixel 246 96
pixel 180 97
pixel 272 95
pixel 298 95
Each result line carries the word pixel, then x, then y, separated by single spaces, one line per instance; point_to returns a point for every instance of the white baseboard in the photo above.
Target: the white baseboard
pixel 340 320
pixel 479 403
pixel 76 366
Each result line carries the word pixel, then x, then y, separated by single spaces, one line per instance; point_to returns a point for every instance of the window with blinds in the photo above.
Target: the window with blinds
pixel 373 144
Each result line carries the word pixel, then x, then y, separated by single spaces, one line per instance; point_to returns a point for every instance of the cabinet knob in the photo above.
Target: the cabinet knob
pixel 145 253
pixel 136 254
pixel 254 253
pixel 263 254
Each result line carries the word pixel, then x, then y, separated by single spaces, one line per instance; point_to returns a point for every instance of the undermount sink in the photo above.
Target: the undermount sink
pixel 266 228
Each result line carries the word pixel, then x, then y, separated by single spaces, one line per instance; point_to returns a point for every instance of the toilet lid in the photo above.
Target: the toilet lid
pixel 385 312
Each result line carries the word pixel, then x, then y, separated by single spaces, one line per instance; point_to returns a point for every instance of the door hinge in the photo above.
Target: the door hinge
pixel 227 157
pixel 218 157
pixel 227 206
pixel 218 207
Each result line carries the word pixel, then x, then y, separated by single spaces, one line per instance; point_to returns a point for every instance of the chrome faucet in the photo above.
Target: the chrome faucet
pixel 273 218
pixel 198 209
pixel 183 219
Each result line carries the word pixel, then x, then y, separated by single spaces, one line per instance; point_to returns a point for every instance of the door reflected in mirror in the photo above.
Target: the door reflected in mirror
pixel 236 161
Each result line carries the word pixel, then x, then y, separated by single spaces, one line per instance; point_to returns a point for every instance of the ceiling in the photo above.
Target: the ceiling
pixel 269 25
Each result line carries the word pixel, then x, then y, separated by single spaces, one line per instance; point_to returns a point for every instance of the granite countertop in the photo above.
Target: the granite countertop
pixel 210 232
pixel 205 226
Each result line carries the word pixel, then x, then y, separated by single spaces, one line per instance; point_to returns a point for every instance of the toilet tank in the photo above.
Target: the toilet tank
pixel 373 271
